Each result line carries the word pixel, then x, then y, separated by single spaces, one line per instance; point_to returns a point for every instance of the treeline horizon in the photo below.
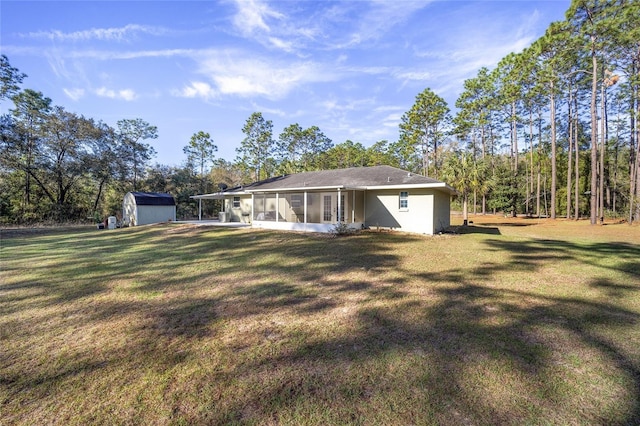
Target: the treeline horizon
pixel 550 131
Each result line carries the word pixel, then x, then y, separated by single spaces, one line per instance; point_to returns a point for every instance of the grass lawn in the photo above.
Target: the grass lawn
pixel 510 321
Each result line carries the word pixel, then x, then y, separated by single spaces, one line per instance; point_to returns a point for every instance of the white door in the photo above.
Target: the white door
pixel 330 207
pixel 328 213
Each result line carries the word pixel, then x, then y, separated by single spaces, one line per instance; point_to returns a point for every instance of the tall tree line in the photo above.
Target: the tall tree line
pixel 549 131
pixel 56 165
pixel 537 127
pixel 557 96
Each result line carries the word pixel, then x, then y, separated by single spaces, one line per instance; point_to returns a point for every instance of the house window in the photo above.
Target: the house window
pixel 404 200
pixel 296 201
pixel 236 202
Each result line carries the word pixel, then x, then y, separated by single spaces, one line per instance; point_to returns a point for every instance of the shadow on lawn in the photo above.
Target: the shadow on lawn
pixel 153 260
pixel 529 254
pixel 479 355
pixel 471 353
pixel 471 229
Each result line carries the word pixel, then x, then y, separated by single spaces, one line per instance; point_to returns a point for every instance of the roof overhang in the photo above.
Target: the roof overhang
pixel 441 186
pixel 207 197
pixel 299 189
pixel 217 195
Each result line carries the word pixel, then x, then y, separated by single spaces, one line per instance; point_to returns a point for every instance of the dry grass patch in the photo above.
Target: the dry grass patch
pixel 506 322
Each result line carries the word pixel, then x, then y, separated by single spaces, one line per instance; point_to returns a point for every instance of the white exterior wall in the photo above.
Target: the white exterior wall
pixel 442 212
pixel 129 210
pixel 383 209
pixel 155 214
pixel 238 214
pixel 302 227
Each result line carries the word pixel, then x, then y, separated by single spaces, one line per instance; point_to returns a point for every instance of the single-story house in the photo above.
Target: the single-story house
pixel 360 197
pixel 143 208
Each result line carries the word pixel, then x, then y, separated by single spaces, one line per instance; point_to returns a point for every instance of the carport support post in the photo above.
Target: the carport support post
pixel 199 208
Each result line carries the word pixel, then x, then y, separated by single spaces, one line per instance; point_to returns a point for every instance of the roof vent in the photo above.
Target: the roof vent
pixel 389 179
pixel 409 174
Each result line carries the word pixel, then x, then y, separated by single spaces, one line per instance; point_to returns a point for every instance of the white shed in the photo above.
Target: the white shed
pixel 143 208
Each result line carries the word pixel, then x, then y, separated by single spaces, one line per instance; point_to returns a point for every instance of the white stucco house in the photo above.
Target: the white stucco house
pixel 143 208
pixel 360 197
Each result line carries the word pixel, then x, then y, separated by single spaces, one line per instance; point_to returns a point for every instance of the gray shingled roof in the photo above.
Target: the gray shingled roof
pixel 352 178
pixel 355 177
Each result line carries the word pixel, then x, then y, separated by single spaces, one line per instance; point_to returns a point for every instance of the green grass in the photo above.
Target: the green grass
pixel 506 322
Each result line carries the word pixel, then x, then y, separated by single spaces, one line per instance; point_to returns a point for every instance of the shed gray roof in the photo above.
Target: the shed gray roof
pixel 153 199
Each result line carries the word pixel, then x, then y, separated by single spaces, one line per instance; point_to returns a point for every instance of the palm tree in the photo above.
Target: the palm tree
pixel 466 175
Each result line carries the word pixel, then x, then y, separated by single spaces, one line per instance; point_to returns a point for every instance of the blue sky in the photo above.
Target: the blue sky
pixel 352 68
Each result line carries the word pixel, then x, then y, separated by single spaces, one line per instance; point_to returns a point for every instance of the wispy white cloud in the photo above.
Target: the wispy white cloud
pixel 413 75
pixel 124 94
pixel 104 34
pixel 528 25
pixel 392 120
pixel 335 104
pixel 365 120
pixel 351 67
pixel 474 56
pixel 227 72
pixel 451 60
pixel 74 94
pixel 196 89
pixel 387 108
pixel 371 70
pixel 243 74
pixel 56 59
pixel 372 20
pixel 252 16
pixel 260 22
pixel 324 28
pixel 70 72
pixel 105 55
pixel 281 44
pixel 275 111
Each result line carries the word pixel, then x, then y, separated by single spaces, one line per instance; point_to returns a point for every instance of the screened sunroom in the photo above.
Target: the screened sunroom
pixel 311 210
